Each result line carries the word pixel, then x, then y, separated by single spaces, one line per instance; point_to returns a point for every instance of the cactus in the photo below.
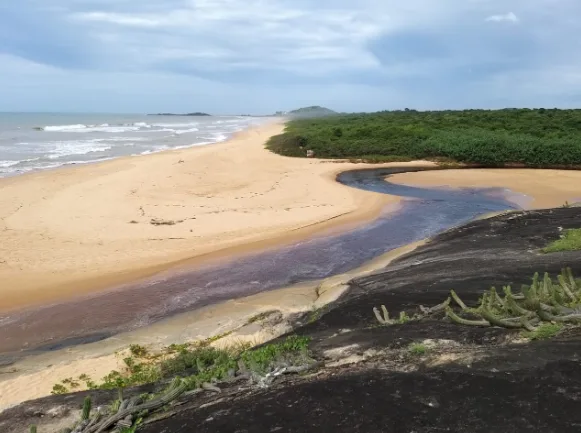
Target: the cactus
pixel 568 284
pixel 86 409
pixel 383 319
pixel 32 428
pixel 513 306
pixel 436 309
pixel 461 321
pixel 458 300
pixel 498 321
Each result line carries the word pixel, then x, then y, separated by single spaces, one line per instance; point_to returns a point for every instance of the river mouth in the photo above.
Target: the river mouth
pixel 424 213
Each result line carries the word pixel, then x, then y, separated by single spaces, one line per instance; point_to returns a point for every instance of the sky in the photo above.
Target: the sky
pixel 261 56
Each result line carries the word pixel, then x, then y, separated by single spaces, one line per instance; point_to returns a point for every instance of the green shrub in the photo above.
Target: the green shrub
pixel 59 389
pixel 198 360
pixel 138 351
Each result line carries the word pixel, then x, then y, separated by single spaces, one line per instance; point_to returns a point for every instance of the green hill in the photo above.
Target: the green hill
pixel 313 111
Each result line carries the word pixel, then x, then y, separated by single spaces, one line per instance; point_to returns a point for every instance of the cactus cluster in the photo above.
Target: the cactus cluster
pixel 544 301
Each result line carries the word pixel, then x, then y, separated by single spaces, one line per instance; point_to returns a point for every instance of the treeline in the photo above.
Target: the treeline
pixel 534 137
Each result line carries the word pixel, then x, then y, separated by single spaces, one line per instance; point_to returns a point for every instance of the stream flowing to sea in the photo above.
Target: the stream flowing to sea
pixel 424 213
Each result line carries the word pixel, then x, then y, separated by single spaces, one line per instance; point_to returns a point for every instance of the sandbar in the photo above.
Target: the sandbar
pixel 545 188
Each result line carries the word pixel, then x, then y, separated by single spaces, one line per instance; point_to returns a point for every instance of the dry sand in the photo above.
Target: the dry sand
pixel 75 230
pixel 545 188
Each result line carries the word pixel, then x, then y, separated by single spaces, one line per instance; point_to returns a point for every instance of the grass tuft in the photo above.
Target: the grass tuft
pixel 417 349
pixel 293 350
pixel 570 241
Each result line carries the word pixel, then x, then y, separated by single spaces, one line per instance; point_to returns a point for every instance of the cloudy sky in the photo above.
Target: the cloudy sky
pixel 259 56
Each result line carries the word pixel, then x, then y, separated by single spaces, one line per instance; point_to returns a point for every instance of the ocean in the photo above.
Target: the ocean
pixel 38 141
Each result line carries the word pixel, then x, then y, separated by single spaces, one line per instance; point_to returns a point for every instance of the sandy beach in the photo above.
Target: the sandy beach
pixel 544 188
pixel 77 230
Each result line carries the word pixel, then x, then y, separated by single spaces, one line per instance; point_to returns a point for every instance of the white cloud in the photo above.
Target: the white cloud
pixel 508 17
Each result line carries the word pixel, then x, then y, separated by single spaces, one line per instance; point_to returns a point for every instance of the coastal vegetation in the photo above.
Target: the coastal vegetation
pixel 187 368
pixel 530 137
pixel 569 241
pixel 198 363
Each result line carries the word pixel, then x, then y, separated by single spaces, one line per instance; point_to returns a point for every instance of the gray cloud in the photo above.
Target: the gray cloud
pixel 407 52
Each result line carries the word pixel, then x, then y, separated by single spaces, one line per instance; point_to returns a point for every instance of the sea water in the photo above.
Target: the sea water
pixel 31 141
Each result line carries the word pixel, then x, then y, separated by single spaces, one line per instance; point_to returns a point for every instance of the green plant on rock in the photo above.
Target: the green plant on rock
pixel 570 241
pixel 127 413
pixel 292 351
pixel 536 304
pixel 417 349
pixel 86 409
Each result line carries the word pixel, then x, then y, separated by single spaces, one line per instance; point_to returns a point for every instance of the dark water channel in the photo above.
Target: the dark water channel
pixel 424 213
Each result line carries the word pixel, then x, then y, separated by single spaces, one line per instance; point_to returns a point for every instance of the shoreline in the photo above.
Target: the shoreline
pixel 92 255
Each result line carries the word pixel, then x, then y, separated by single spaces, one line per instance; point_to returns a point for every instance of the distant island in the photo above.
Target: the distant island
pixel 299 113
pixel 186 114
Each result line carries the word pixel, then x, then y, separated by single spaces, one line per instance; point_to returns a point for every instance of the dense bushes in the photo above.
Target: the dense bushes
pixel 532 137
